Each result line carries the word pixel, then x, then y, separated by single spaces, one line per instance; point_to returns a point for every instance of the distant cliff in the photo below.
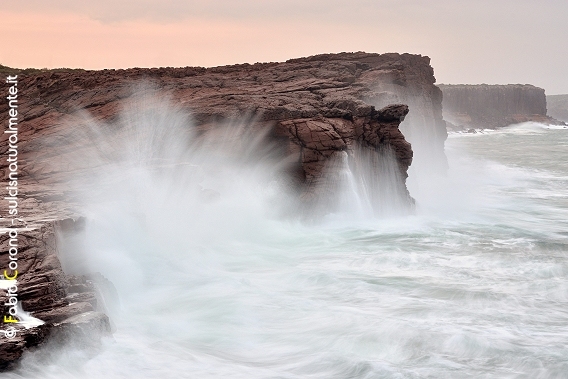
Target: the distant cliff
pixel 558 107
pixel 493 106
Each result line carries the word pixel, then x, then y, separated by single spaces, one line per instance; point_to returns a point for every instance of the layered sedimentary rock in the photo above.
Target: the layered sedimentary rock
pixel 493 106
pixel 557 107
pixel 316 108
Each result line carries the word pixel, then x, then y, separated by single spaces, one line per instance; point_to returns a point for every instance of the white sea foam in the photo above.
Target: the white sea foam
pixel 25 318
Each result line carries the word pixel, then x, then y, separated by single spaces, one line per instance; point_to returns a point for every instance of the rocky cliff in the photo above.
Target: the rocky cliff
pixel 316 109
pixel 66 304
pixel 493 106
pixel 557 107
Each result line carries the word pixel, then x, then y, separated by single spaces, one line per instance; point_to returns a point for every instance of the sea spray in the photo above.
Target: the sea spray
pixel 473 284
pixel 365 183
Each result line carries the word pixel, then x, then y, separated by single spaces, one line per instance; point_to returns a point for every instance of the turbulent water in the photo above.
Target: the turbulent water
pixel 473 285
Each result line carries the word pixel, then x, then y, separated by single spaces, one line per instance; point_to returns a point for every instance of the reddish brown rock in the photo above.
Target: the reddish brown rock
pixel 45 291
pixel 319 137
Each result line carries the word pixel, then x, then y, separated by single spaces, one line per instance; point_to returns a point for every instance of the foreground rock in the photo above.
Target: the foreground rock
pixel 493 106
pixel 316 109
pixel 66 304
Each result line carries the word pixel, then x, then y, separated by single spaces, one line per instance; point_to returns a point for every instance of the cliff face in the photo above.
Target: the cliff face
pixel 493 106
pixel 67 304
pixel 317 109
pixel 558 107
pixel 338 90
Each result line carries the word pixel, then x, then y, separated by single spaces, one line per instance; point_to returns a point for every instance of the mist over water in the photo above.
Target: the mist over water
pixel 217 280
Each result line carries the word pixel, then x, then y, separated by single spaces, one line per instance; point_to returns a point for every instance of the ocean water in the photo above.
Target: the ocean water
pixel 474 284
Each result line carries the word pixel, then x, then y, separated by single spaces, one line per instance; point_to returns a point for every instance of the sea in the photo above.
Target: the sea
pixel 216 279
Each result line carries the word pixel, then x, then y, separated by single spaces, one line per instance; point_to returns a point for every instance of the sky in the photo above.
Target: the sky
pixel 474 41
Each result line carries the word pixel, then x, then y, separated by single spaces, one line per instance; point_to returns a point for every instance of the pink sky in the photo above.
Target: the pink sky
pixel 501 41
